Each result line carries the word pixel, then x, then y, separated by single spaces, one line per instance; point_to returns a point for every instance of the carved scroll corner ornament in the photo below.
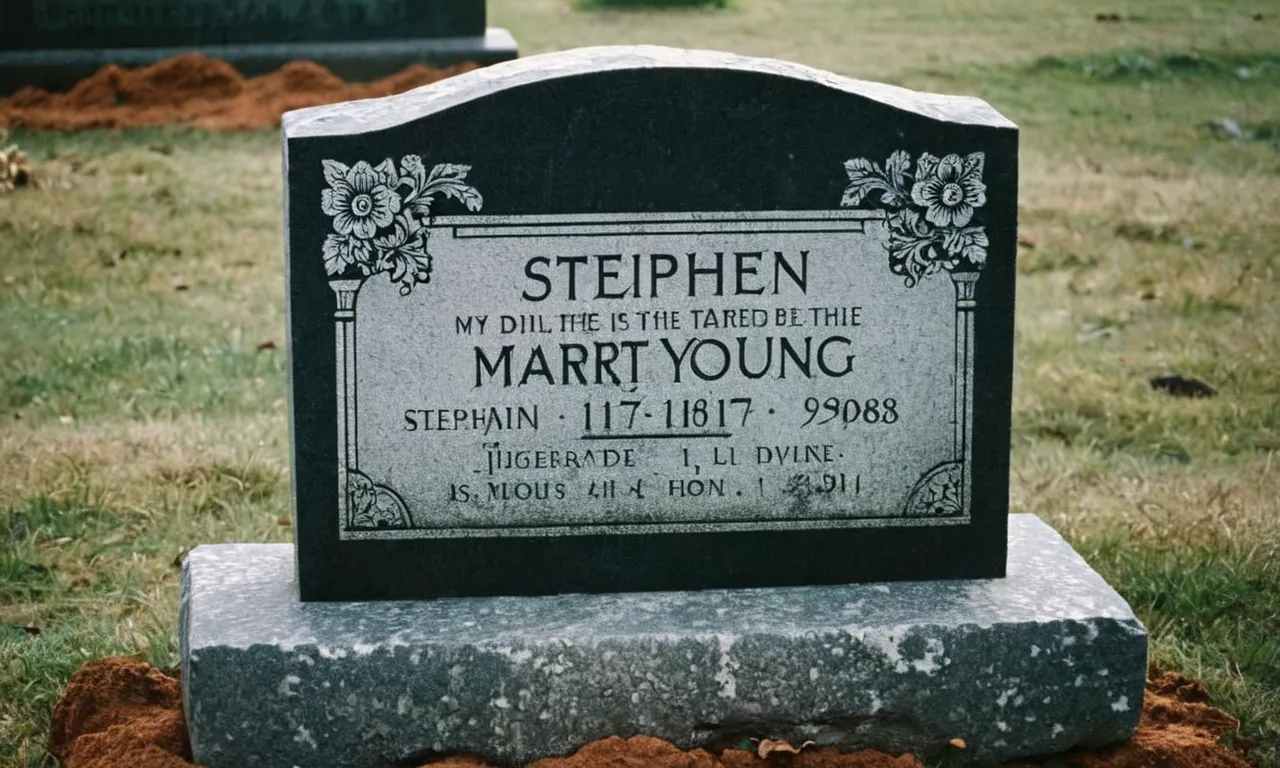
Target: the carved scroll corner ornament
pixel 929 210
pixel 372 506
pixel 938 492
pixel 381 216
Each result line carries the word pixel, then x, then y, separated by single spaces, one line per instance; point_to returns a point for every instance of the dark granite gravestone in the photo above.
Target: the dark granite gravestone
pixel 54 43
pixel 623 323
pixel 630 319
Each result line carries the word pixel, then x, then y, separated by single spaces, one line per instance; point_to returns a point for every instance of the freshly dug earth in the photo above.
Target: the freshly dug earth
pixel 117 712
pixel 199 91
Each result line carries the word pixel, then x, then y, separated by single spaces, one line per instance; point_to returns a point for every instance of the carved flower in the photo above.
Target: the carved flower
pixel 949 189
pixel 361 201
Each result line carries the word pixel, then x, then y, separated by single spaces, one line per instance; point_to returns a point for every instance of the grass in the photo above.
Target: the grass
pixel 588 5
pixel 140 417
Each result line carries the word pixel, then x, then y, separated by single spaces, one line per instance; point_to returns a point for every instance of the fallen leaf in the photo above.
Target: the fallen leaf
pixel 284 522
pixel 266 344
pixel 1026 242
pixel 15 170
pixel 768 747
pixel 958 743
pixel 1181 386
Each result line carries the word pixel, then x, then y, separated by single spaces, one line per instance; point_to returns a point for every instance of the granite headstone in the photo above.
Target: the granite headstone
pixel 629 319
pixel 631 322
pixel 54 43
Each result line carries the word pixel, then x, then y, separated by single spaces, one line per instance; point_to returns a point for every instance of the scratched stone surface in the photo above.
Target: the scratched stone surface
pixel 1046 659
pixel 706 305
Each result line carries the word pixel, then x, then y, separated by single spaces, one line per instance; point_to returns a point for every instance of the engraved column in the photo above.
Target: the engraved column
pixel 965 283
pixel 344 320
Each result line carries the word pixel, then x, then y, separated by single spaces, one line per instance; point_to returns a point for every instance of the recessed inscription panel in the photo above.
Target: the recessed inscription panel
pixel 599 374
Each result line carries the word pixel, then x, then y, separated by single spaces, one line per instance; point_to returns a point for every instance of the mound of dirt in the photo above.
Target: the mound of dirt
pixel 117 712
pixel 199 91
pixel 1179 729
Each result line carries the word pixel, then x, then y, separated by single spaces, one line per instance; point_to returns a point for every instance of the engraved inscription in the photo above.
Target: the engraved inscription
pixel 598 373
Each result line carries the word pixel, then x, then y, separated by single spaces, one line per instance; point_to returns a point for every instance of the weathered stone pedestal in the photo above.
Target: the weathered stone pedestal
pixel 1046 659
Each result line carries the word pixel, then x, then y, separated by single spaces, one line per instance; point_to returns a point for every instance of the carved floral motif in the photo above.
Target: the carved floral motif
pixel 930 210
pixel 381 216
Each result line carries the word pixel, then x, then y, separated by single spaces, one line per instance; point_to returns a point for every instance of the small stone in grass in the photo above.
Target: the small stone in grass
pixel 1182 386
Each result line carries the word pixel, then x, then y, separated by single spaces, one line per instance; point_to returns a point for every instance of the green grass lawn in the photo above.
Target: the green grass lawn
pixel 142 417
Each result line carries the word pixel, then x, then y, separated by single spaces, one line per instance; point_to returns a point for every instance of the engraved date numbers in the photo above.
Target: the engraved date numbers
pixel 847 412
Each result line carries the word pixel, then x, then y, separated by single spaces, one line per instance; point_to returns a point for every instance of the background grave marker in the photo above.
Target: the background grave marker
pixel 54 43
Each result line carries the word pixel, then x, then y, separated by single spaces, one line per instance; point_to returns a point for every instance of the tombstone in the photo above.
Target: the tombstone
pixel 55 43
pixel 638 390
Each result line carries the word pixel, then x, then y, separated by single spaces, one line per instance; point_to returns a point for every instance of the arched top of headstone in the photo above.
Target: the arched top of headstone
pixel 391 111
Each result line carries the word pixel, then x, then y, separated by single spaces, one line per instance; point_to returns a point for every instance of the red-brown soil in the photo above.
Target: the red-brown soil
pixel 199 91
pixel 117 712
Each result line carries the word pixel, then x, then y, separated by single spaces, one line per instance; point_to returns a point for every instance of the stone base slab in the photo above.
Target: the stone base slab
pixel 60 70
pixel 1043 660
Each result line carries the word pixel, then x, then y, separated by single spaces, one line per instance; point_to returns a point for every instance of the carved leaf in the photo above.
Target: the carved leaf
pixel 327 202
pixel 421 205
pixel 973 165
pixel 864 178
pixel 898 168
pixel 386 171
pixel 334 172
pixel 399 267
pixel 969 243
pixel 463 193
pixel 337 254
pixel 909 257
pixel 448 171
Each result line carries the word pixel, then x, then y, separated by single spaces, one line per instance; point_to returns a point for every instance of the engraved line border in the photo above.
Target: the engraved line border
pixel 655 528
pixel 662 224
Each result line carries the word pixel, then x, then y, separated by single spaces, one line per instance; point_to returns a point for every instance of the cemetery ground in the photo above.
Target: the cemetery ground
pixel 142 357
